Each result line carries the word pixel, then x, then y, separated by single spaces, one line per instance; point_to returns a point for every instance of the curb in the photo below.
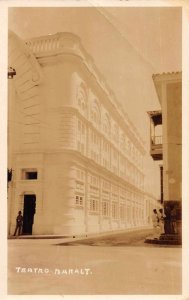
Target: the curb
pixel 75 237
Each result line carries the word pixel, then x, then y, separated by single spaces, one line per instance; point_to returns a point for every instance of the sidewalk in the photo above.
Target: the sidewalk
pixel 143 232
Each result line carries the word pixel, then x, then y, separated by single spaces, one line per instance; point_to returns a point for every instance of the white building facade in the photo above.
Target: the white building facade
pixel 77 159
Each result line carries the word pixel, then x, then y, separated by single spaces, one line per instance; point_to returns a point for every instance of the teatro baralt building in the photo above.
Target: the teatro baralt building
pixel 76 158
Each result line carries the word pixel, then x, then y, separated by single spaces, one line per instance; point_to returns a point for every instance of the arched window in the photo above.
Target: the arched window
pixel 123 142
pixel 82 98
pixel 129 146
pixel 106 125
pixel 95 113
pixel 116 133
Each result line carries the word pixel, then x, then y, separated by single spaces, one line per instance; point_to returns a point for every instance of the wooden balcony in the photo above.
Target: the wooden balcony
pixel 156 150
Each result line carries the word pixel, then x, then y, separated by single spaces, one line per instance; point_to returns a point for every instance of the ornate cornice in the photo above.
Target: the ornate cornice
pixel 167 76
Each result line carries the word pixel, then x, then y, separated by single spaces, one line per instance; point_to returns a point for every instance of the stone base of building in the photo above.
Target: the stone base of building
pixel 173 221
pixel 165 239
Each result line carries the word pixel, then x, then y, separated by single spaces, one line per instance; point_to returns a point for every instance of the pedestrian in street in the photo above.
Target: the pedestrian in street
pixel 167 220
pixel 19 223
pixel 155 222
pixel 173 215
pixel 161 220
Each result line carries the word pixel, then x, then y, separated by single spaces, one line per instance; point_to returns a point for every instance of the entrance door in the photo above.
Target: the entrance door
pixel 28 214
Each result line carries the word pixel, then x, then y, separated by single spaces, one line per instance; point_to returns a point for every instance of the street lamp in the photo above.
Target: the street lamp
pixel 11 73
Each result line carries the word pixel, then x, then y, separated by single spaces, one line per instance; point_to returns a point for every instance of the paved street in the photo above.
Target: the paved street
pixel 118 264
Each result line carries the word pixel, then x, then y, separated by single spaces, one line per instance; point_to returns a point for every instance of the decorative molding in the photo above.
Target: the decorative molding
pixel 167 76
pixel 22 59
pixel 28 77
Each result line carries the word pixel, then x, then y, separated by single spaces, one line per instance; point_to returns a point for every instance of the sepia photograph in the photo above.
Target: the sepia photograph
pixel 94 150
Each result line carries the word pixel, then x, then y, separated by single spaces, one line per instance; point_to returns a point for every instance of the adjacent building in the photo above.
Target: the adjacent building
pixel 169 146
pixel 77 159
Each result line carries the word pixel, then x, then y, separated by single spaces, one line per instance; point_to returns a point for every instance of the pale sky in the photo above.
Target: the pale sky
pixel 154 32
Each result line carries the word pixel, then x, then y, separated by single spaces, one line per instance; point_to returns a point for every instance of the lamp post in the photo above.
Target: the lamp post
pixel 11 73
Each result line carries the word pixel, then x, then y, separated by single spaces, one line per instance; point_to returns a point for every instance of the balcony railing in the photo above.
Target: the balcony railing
pixel 55 44
pixel 156 140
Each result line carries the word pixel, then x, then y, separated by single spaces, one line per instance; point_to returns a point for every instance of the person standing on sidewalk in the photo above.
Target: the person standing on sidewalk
pixel 19 223
pixel 161 221
pixel 173 220
pixel 155 222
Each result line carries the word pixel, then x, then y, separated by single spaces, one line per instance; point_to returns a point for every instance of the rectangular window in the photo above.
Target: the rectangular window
pixel 105 208
pixel 80 175
pixel 78 146
pixel 79 200
pixel 122 212
pixel 29 174
pixel 128 214
pixel 80 186
pixel 79 125
pixel 94 205
pixel 82 148
pixel 106 185
pixel 83 128
pixel 115 210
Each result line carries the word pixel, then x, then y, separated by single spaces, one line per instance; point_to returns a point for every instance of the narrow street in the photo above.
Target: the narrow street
pixel 119 264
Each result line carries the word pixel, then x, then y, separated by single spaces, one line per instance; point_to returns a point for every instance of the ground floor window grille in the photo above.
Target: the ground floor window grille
pixel 94 205
pixel 122 212
pixel 133 209
pixel 115 210
pixel 105 208
pixel 128 214
pixel 79 200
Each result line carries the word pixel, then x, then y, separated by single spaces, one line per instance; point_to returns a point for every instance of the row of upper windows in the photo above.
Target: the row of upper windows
pixel 135 197
pixel 95 113
pixel 109 126
pixel 117 211
pixel 128 196
pixel 81 127
pixel 121 211
pixel 117 164
pixel 79 200
pixel 104 157
pixel 95 181
pixel 95 139
pixel 96 154
pixel 137 177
